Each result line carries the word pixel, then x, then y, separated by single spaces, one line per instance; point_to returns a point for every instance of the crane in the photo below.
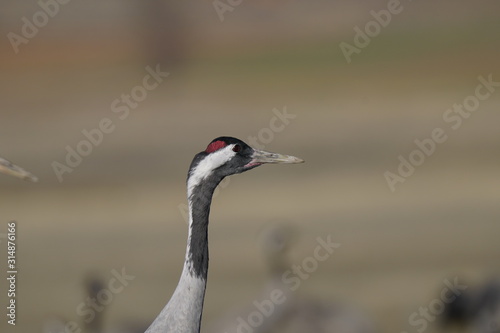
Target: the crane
pixel 224 156
pixel 9 168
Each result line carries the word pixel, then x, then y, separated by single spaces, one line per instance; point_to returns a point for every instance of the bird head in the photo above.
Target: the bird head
pixel 225 156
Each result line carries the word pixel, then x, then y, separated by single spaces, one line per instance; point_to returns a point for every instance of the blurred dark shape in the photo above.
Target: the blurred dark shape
pixel 297 313
pixel 93 286
pixel 458 313
pixel 163 25
pixel 477 309
pixel 486 309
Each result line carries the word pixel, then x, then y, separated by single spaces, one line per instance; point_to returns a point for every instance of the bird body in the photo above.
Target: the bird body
pixel 224 156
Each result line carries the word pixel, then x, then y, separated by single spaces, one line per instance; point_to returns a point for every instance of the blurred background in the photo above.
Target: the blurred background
pixel 269 71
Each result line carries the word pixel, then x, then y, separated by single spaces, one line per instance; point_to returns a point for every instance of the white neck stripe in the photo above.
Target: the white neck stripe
pixel 211 162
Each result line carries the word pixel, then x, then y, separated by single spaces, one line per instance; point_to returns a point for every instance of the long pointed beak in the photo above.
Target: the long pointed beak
pixel 16 171
pixel 261 156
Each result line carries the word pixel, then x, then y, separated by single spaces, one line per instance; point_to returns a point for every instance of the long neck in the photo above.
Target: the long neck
pixel 199 198
pixel 183 312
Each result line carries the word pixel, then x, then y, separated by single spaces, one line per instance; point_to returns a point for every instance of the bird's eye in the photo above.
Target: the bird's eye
pixel 236 148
